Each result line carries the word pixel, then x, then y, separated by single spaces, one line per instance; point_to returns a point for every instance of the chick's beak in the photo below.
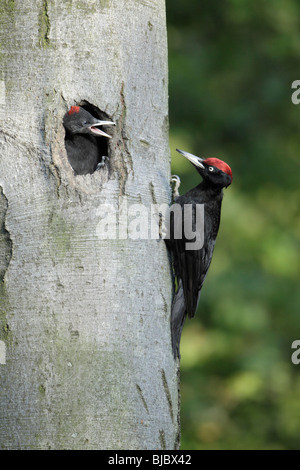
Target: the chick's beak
pixel 94 128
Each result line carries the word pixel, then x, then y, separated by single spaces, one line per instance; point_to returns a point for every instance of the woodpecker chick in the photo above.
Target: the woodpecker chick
pixel 81 139
pixel 191 265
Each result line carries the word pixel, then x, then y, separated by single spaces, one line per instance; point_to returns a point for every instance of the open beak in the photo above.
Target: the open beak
pixel 197 161
pixel 94 128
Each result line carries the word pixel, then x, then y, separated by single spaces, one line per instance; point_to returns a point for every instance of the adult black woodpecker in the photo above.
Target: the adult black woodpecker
pixel 191 265
pixel 81 139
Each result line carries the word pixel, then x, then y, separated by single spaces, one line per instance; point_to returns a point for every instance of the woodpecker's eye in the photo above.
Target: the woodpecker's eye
pixel 210 168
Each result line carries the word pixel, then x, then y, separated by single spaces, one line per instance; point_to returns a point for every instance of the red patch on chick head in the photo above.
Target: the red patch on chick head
pixel 219 164
pixel 73 110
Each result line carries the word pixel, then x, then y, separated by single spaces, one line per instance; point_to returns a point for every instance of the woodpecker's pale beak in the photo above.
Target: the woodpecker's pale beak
pixel 197 161
pixel 93 128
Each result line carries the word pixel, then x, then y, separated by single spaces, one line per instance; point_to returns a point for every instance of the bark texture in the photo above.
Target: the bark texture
pixel 84 320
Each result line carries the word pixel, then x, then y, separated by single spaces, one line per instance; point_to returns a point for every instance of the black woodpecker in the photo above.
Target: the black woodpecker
pixel 81 139
pixel 191 265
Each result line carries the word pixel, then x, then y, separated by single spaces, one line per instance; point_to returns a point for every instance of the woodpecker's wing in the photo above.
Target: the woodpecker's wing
pixel 191 266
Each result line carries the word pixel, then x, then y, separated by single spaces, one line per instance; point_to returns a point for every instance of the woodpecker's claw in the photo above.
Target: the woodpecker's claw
pixel 175 182
pixel 102 163
pixel 175 179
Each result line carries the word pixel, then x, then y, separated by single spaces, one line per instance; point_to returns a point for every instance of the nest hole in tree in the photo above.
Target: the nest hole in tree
pixel 86 152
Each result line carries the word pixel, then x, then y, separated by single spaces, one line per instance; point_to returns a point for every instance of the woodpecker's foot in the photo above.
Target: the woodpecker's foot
pixel 102 163
pixel 175 183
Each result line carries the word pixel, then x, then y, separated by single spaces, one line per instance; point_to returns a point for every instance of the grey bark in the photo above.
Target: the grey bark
pixel 84 321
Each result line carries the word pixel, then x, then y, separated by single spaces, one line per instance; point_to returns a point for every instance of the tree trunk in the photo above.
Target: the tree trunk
pixel 86 359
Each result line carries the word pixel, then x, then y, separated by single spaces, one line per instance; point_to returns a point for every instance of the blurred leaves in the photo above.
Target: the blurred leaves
pixel 232 63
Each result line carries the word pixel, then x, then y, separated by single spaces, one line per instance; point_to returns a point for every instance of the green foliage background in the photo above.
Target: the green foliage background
pixel 231 66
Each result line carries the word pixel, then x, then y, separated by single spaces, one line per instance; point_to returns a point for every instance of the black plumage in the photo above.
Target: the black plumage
pixel 191 265
pixel 82 139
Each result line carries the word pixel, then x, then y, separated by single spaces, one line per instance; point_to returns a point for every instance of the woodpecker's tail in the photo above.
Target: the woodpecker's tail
pixel 178 315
